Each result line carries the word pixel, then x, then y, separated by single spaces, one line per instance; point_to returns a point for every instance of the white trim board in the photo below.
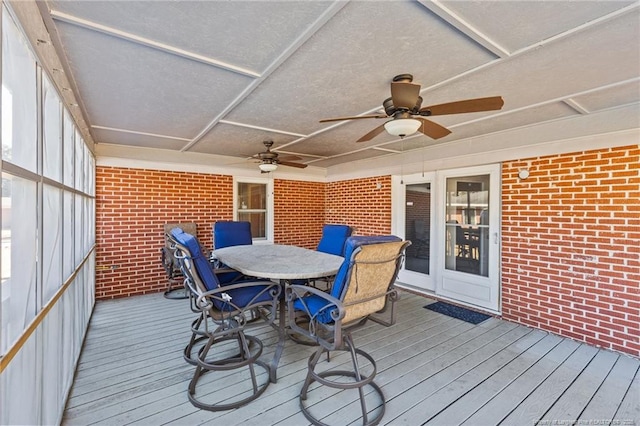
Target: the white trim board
pixel 443 156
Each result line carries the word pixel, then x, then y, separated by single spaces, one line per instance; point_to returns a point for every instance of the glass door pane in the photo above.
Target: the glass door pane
pixel 417 226
pixel 467 224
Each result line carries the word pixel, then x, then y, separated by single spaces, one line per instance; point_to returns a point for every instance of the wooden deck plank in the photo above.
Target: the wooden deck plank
pixel 292 374
pixel 388 353
pixel 438 344
pixel 610 394
pixel 449 392
pixel 629 411
pixel 498 407
pixel 439 386
pixel 534 407
pixel 472 401
pixel 111 412
pixel 295 372
pixel 574 400
pixel 432 368
pixel 487 346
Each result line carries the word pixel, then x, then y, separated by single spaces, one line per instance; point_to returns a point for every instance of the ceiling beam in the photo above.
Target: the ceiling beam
pixel 133 132
pixel 94 26
pixel 576 106
pixel 266 129
pixel 465 27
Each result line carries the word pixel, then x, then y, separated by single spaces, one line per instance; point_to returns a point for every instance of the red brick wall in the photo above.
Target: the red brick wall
pixel 570 251
pixel 298 212
pixel 132 206
pixel 570 248
pixel 362 203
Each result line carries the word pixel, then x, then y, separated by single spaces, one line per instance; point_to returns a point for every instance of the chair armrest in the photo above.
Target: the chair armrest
pixel 325 333
pixel 231 309
pixel 294 292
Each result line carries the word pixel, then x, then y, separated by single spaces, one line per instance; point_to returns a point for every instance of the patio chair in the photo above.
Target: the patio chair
pixel 224 313
pixel 175 287
pixel 333 238
pixel 333 241
pixel 362 289
pixel 227 233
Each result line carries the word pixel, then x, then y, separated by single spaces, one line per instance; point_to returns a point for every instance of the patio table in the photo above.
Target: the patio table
pixel 279 262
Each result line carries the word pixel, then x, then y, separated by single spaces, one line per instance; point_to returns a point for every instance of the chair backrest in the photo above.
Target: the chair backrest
pixel 195 264
pixel 373 271
pixel 351 246
pixel 169 261
pixel 228 233
pixel 188 227
pixel 334 238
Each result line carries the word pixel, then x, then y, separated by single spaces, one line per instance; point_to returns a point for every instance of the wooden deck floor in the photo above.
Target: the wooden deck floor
pixel 432 368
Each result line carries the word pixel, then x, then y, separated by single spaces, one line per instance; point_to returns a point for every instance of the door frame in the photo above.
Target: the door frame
pixel 398 201
pixel 434 286
pixel 478 285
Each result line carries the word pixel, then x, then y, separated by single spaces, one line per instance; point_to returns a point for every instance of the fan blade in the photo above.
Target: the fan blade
pixel 431 129
pixel 470 105
pixel 327 120
pixel 404 95
pixel 288 157
pixel 372 134
pixel 290 164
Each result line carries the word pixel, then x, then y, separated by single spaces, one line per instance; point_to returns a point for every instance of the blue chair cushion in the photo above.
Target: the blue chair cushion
pixel 316 305
pixel 200 262
pixel 334 238
pixel 231 233
pixel 240 297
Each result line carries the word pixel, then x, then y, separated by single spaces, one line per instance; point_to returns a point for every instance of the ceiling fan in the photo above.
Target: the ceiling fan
pixel 405 109
pixel 269 160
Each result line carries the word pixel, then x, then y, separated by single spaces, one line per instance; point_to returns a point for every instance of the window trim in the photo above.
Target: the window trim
pixel 269 225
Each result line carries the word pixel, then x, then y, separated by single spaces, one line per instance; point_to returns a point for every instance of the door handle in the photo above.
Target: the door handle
pixel 495 236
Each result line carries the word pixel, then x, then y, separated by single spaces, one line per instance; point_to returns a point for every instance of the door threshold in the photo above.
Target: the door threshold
pixel 432 295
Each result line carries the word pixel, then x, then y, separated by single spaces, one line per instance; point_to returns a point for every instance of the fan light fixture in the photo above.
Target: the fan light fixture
pixel 268 167
pixel 402 127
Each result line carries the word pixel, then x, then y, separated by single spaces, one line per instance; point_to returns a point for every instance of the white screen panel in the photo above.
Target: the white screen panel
pixel 53 370
pixel 51 132
pixel 19 104
pixel 68 258
pixel 68 143
pixel 51 242
pixel 79 162
pixel 18 263
pixel 78 227
pixel 19 387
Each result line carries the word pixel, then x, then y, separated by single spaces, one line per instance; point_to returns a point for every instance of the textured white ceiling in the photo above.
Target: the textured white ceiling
pixel 219 77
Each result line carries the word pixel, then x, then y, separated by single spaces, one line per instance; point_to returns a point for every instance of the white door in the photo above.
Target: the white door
pixel 455 255
pixel 470 247
pixel 413 206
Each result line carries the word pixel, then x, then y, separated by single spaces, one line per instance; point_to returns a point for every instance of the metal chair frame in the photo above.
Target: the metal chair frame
pixel 220 322
pixel 337 334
